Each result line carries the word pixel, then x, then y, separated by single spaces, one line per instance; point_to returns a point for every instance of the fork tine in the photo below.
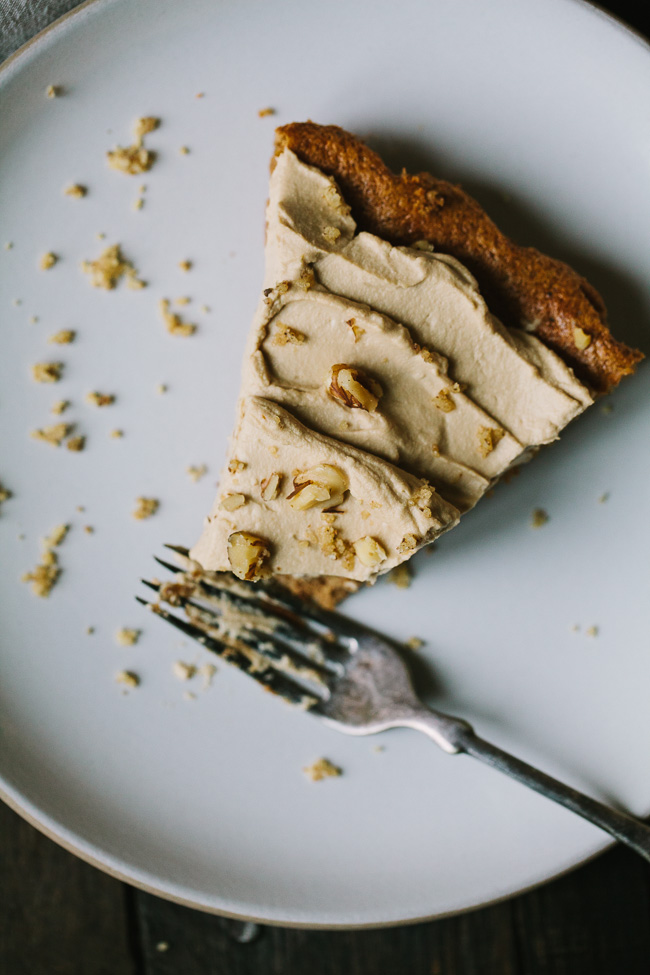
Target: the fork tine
pixel 271 679
pixel 179 549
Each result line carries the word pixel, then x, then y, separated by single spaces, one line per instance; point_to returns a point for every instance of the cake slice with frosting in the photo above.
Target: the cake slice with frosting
pixel 381 395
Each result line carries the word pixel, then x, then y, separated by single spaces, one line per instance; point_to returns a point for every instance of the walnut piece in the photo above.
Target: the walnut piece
pixel 247 555
pixel 76 444
pixel 369 551
pixel 354 388
pixel 317 485
pixel 269 487
pixel 231 502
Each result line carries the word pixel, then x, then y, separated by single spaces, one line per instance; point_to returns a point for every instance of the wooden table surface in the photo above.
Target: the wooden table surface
pixel 59 916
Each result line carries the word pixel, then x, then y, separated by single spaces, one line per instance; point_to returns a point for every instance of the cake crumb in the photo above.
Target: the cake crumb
pixel 5 494
pixel 184 151
pixel 16 302
pixel 63 337
pixel 89 530
pixel 135 159
pixel 90 630
pixel 47 372
pixel 488 438
pixel 414 643
pixel 47 261
pixel 379 748
pixel 76 191
pixel 575 627
pixel 53 91
pixel 109 269
pixel 182 301
pixel 162 388
pixel 80 508
pixel 126 637
pixel 538 518
pixel 60 407
pixel 33 319
pixel 76 444
pixel 9 245
pixel 56 536
pixel 43 577
pixel 163 945
pixel 145 508
pixel 185 265
pixel 128 678
pixel 603 498
pixel 54 435
pixel 607 408
pixel 331 234
pixel 265 112
pixel 402 575
pixel 207 672
pixel 99 399
pixel 182 670
pixel 592 631
pixel 205 309
pixel 116 434
pixel 139 203
pixel 196 472
pixel 443 401
pixel 322 768
pixel 175 324
pixel 189 696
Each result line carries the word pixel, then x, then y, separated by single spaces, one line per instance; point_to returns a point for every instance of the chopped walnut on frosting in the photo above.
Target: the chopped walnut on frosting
pixel 444 401
pixel 354 388
pixel 285 335
pixel 248 556
pixel 317 485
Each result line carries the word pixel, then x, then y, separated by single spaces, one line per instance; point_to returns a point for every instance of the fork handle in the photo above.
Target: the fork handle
pixel 633 832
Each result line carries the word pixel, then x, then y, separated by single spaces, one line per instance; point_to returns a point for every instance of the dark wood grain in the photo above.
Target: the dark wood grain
pixel 58 916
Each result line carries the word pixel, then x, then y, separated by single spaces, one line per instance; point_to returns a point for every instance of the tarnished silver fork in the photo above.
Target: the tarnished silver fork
pixel 351 677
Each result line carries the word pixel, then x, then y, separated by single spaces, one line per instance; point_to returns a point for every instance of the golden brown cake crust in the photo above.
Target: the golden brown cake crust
pixel 327 591
pixel 523 287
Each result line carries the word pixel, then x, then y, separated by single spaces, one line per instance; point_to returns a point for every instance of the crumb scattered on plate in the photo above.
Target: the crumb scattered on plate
pixel 197 472
pixel 9 245
pixel 116 434
pixel 414 643
pixel 99 399
pixel 162 388
pixel 182 670
pixel 76 191
pixel 207 672
pixel 145 508
pixel 184 151
pixel 89 530
pixel 174 322
pixel 45 575
pixel 322 768
pixel 63 337
pixel 603 498
pixel 185 265
pixel 54 434
pixel 135 159
pixel 126 637
pixel 401 576
pixel 264 112
pixel 76 444
pixel 128 678
pixel 538 518
pixel 591 631
pixel 47 372
pixel 53 91
pixel 109 269
pixel 139 203
pixel 5 494
pixel 47 261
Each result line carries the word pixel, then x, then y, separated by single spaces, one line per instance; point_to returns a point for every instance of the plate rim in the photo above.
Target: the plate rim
pixel 88 852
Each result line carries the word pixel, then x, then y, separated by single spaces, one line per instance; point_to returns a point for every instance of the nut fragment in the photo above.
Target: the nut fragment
pixel 247 554
pixel 444 401
pixel 269 487
pixel 233 501
pixel 488 438
pixel 354 388
pixel 285 335
pixel 316 485
pixel 357 331
pixel 581 340
pixel 369 552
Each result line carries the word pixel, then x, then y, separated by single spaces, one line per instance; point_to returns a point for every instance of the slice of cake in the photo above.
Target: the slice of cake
pixel 381 396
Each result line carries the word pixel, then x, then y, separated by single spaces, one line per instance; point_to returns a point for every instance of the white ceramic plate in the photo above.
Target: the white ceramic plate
pixel 538 108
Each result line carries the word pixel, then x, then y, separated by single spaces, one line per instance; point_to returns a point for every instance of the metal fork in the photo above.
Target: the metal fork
pixel 340 670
